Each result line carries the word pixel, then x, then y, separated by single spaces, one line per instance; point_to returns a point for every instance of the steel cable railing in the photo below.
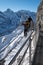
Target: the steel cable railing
pixel 31 38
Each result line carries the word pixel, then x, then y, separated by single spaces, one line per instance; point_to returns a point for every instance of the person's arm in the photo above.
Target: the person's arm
pixel 23 23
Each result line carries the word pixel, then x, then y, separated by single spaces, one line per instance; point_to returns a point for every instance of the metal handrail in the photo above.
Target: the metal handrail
pixel 13 60
pixel 6 46
pixel 22 47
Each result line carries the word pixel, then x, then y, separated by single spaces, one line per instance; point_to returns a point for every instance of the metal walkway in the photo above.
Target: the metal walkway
pixel 38 57
pixel 17 52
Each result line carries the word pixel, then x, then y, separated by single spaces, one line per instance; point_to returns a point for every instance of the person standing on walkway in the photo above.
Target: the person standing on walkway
pixel 27 25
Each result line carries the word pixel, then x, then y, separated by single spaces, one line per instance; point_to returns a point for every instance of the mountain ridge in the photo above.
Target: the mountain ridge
pixel 10 20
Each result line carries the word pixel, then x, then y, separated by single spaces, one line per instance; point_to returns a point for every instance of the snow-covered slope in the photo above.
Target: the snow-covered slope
pixel 12 40
pixel 10 20
pixel 7 39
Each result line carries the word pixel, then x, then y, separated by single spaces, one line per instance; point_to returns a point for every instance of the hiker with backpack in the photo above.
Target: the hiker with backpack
pixel 27 25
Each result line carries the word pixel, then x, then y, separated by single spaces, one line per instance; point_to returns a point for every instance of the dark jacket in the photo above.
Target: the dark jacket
pixel 26 24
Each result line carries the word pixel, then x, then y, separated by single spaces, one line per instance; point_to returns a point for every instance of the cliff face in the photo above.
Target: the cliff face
pixel 40 17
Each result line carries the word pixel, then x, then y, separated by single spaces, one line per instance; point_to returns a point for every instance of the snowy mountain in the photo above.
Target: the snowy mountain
pixel 12 16
pixel 4 21
pixel 10 20
pixel 3 18
pixel 24 14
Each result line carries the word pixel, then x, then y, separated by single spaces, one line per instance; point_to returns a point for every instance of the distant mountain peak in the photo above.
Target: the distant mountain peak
pixel 23 11
pixel 9 11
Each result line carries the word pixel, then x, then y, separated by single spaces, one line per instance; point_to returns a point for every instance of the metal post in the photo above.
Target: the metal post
pixel 30 46
pixel 30 52
pixel 2 62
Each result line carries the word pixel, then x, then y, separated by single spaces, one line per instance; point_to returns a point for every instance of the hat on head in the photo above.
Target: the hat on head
pixel 29 18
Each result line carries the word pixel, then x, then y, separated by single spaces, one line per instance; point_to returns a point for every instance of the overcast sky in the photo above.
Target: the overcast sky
pixel 16 5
